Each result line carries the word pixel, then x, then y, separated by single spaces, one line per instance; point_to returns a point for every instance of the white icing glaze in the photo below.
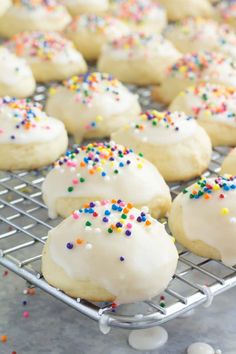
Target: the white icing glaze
pixel 209 102
pixel 205 66
pixel 89 5
pixel 39 12
pixel 200 348
pixel 123 265
pixel 104 25
pixel 170 128
pixel 140 45
pixel 206 33
pixel 212 220
pixel 94 101
pixel 138 175
pixel 41 47
pixel 25 123
pixel 13 70
pixel 148 339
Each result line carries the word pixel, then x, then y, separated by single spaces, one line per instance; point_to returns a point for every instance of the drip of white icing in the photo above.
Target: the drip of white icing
pixel 202 220
pixel 200 348
pixel 148 339
pixel 103 324
pixel 187 314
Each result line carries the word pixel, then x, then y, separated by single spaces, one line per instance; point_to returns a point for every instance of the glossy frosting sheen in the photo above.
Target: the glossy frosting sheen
pixel 40 46
pixel 93 93
pixel 13 69
pixel 102 170
pixel 38 9
pixel 209 215
pixel 209 102
pixel 139 11
pixel 103 24
pixel 205 66
pixel 120 248
pixel 22 122
pixel 162 128
pixel 140 45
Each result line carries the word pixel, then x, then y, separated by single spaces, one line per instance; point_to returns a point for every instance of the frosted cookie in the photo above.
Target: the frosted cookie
pixel 203 219
pixel 226 12
pixel 16 78
pixel 4 6
pixel 92 105
pixel 90 32
pixel 214 106
pixel 34 15
pixel 109 251
pixel 104 171
pixel 138 58
pixel 173 142
pixel 194 68
pixel 141 15
pixel 197 34
pixel 28 138
pixel 50 56
pixel 179 9
pixel 229 164
pixel 77 7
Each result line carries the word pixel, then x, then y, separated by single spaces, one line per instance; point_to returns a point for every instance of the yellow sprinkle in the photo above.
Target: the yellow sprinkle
pixel 208 113
pixel 99 119
pixel 224 211
pixel 140 165
pixel 216 187
pixel 52 91
pixel 119 229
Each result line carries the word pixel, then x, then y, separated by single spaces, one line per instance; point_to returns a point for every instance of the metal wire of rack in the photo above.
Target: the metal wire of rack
pixel 23 232
pixel 24 225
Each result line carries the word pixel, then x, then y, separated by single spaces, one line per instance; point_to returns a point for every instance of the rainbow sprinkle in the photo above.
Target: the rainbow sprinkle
pixel 49 5
pixel 117 216
pixel 94 23
pixel 214 100
pixel 137 11
pixel 103 159
pixel 39 44
pixel 87 86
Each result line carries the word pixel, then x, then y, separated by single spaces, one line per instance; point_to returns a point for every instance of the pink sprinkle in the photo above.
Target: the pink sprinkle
pixel 131 217
pixel 71 163
pixel 129 226
pixel 122 204
pixel 26 314
pixel 1 130
pixel 103 202
pixel 75 216
pixel 75 181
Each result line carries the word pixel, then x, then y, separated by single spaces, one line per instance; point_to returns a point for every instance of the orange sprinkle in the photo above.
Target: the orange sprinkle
pixel 82 164
pixel 4 339
pixel 129 205
pixel 125 210
pixel 148 223
pixel 91 172
pixel 207 196
pixel 79 241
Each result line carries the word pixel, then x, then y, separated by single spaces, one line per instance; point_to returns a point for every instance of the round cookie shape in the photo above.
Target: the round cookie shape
pixel 109 251
pixel 194 68
pixel 50 56
pixel 92 105
pixel 138 58
pixel 173 142
pixel 28 137
pixel 198 34
pixel 203 219
pixel 90 32
pixel 214 106
pixel 33 15
pixel 229 164
pixel 141 15
pixel 4 6
pixel 16 78
pixel 78 7
pixel 226 12
pixel 104 171
pixel 177 10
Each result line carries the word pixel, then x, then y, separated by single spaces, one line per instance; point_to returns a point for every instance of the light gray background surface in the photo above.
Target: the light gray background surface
pixel 54 328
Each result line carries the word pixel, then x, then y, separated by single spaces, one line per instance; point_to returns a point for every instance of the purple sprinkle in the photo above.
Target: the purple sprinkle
pixel 69 245
pixel 105 219
pixel 122 259
pixel 128 232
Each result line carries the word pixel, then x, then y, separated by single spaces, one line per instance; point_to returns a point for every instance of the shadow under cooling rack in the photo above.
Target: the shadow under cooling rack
pixel 24 225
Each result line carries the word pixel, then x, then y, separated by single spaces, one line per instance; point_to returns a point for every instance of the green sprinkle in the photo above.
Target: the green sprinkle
pixel 70 189
pixel 140 154
pixel 123 216
pixel 82 180
pixel 110 230
pixel 88 223
pixel 116 172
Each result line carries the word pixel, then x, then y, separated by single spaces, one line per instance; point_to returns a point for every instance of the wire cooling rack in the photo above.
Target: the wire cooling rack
pixel 24 225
